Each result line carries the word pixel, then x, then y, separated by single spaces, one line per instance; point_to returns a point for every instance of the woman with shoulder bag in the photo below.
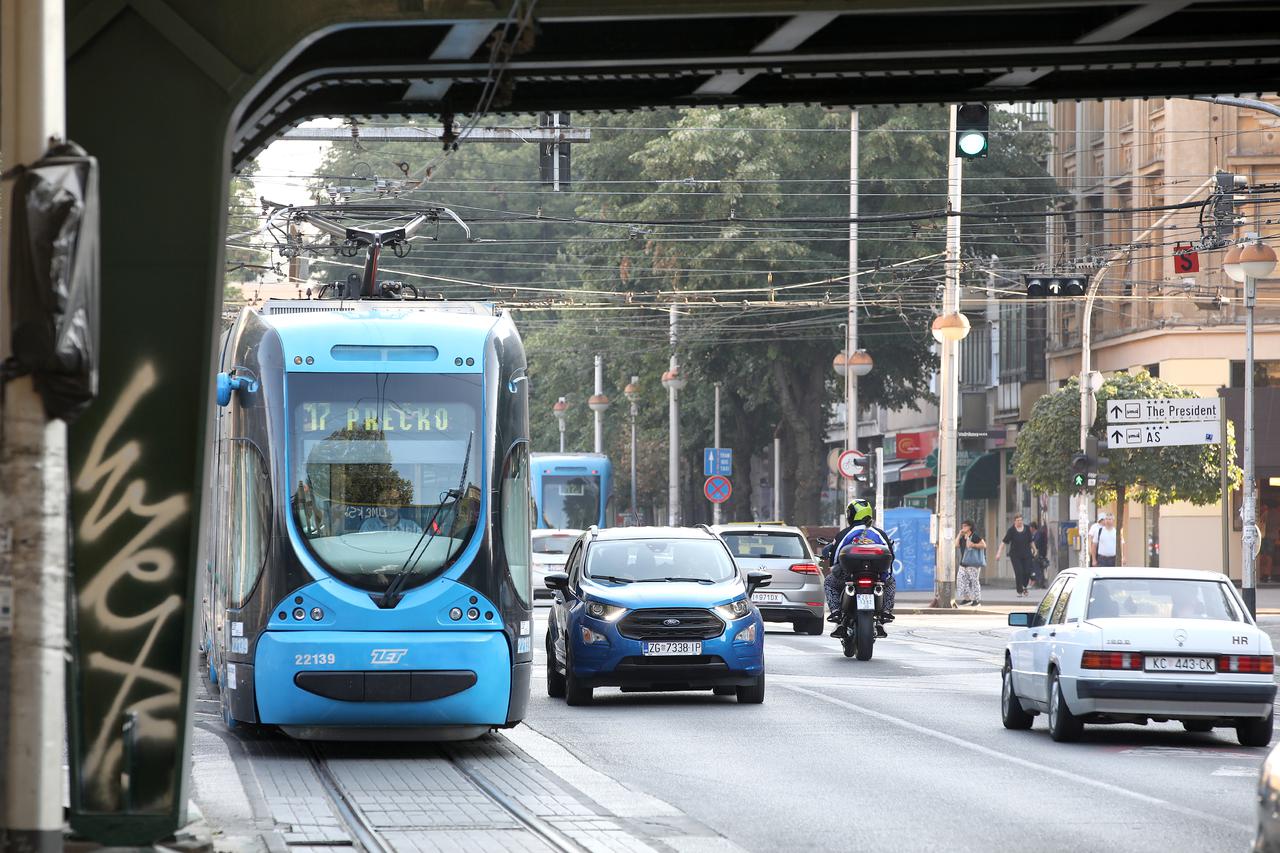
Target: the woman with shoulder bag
pixel 973 559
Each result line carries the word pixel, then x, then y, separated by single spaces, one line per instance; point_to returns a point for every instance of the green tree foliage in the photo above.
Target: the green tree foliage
pixel 1150 475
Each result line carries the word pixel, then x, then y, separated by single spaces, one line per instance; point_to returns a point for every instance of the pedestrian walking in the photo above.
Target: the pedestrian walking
pixel 973 559
pixel 1039 553
pixel 1105 546
pixel 1018 538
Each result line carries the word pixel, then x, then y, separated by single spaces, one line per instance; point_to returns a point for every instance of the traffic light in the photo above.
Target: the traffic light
pixel 1039 286
pixel 1227 207
pixel 1080 469
pixel 973 123
pixel 1094 447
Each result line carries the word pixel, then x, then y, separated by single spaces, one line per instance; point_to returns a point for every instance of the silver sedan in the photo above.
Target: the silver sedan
pixel 795 592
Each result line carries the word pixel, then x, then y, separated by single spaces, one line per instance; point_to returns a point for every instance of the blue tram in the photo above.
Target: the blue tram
pixel 368 543
pixel 573 490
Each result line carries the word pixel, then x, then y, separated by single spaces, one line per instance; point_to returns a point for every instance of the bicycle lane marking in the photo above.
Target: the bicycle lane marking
pixel 1021 762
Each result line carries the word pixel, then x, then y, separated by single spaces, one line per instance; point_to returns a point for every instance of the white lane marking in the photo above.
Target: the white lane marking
pixel 1229 770
pixel 613 795
pixel 1021 762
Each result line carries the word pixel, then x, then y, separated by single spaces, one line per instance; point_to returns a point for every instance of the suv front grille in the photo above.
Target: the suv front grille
pixel 690 624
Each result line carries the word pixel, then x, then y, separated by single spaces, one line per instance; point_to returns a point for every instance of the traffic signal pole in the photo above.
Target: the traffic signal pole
pixel 1087 403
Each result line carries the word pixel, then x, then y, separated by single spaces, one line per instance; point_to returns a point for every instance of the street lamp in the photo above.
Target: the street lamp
pixel 632 392
pixel 851 367
pixel 948 330
pixel 559 410
pixel 599 403
pixel 1248 264
pixel 673 380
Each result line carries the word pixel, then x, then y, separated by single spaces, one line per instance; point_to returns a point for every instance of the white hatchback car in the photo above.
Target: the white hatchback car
pixel 1121 645
pixel 550 550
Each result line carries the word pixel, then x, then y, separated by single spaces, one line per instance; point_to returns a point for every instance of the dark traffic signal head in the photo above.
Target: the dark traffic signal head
pixel 1094 448
pixel 973 123
pixel 1055 285
pixel 1079 469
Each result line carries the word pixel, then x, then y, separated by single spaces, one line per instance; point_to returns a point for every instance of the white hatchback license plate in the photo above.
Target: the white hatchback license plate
pixel 1170 663
pixel 668 647
pixel 768 598
pixel 865 601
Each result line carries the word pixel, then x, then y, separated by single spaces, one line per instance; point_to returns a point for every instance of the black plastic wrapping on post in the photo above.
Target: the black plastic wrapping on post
pixel 54 279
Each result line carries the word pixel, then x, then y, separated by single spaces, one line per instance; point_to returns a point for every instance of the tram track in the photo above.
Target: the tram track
pixel 370 839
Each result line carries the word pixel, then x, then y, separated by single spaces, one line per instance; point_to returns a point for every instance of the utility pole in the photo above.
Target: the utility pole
pixel 777 473
pixel 715 507
pixel 851 327
pixel 33 468
pixel 949 329
pixel 673 382
pixel 880 487
pixel 632 392
pixel 599 404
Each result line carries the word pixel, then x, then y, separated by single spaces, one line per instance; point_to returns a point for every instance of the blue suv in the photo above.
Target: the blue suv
pixel 654 608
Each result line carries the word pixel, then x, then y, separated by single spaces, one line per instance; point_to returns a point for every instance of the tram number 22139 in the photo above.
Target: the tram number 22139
pixel 315 660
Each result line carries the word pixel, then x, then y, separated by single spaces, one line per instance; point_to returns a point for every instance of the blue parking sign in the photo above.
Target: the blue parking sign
pixel 717 465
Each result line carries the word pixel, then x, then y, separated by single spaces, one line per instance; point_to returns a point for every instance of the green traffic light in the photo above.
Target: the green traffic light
pixel 1079 481
pixel 972 143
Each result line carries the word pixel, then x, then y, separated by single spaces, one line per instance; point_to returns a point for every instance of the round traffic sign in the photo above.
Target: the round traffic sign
pixel 717 489
pixel 851 462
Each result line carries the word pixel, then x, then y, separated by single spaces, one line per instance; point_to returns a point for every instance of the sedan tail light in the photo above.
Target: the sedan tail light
pixel 805 569
pixel 1111 660
pixel 1265 664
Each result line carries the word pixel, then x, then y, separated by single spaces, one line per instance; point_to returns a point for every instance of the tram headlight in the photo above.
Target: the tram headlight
pixel 317 614
pixel 455 614
pixel 735 609
pixel 299 614
pixel 606 612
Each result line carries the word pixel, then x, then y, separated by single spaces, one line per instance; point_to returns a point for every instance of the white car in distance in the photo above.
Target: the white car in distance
pixel 1122 645
pixel 550 551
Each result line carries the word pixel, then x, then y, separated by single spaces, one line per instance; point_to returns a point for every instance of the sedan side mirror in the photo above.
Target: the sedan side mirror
pixel 1021 620
pixel 558 581
pixel 755 580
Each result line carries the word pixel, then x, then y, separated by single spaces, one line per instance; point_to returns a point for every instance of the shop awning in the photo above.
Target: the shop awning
pixel 915 471
pixel 981 479
pixel 893 468
pixel 920 497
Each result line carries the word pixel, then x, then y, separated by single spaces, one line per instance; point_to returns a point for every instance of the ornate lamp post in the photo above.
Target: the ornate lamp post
pixel 559 410
pixel 948 330
pixel 673 380
pixel 599 404
pixel 632 392
pixel 851 368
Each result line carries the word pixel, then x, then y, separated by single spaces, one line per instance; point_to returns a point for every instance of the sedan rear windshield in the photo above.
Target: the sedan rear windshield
pixel 781 545
pixel 642 560
pixel 553 544
pixel 1161 598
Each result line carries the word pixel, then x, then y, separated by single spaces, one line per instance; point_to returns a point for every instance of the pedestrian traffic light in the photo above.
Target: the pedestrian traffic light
pixel 973 123
pixel 1094 448
pixel 1080 469
pixel 1055 285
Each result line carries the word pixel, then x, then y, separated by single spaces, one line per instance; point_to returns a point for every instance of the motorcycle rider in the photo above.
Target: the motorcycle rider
pixel 860 516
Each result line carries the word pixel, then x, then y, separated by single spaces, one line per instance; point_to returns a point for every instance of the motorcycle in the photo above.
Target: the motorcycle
pixel 862 601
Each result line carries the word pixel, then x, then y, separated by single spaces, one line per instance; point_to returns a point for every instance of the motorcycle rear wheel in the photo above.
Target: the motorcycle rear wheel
pixel 866 634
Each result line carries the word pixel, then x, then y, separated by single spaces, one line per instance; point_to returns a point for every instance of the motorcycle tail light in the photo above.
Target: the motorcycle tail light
pixel 1111 660
pixel 865 581
pixel 1263 664
pixel 805 569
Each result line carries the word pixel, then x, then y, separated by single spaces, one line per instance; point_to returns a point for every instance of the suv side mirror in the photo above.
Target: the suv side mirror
pixel 1021 620
pixel 558 581
pixel 755 580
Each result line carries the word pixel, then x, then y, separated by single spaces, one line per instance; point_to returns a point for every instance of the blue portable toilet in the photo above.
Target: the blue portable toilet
pixel 915 557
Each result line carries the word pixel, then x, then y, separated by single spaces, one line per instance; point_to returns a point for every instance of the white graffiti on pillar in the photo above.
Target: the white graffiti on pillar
pixel 148 696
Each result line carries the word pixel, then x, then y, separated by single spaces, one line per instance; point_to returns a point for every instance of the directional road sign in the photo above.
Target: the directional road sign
pixel 717 489
pixel 851 463
pixel 1150 411
pixel 1164 434
pixel 717 461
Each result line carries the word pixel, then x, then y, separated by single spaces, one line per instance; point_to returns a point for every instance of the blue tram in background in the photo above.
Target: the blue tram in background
pixel 573 491
pixel 368 544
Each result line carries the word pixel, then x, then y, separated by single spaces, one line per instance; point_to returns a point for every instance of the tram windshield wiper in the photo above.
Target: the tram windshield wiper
pixel 392 595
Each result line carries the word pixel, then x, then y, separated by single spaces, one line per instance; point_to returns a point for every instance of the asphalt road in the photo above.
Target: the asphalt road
pixel 906 752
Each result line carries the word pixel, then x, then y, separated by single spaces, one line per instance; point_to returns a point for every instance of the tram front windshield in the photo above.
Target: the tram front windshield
pixel 385 471
pixel 570 502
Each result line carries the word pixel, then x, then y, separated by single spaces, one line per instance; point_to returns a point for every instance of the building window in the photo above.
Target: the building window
pixel 1153 369
pixel 1266 374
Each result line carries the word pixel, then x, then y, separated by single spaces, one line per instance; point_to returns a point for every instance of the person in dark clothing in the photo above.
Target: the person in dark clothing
pixel 1018 538
pixel 1040 555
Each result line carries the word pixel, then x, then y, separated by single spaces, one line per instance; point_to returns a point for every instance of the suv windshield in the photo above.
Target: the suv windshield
pixel 1161 598
pixel 378 462
pixel 781 545
pixel 659 560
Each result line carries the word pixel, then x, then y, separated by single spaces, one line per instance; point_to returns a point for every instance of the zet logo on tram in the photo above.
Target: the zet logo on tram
pixel 386 656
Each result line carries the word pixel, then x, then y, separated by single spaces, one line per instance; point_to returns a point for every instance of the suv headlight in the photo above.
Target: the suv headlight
pixel 607 612
pixel 735 609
